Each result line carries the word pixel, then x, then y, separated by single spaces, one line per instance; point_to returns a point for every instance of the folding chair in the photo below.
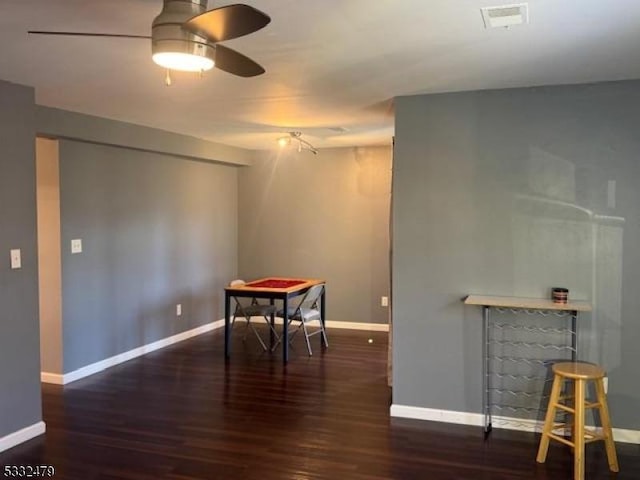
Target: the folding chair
pixel 248 308
pixel 308 310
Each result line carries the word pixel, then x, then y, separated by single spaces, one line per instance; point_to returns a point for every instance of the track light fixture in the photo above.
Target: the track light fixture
pixel 294 138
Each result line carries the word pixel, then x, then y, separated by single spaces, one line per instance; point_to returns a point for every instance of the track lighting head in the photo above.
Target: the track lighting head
pixel 295 139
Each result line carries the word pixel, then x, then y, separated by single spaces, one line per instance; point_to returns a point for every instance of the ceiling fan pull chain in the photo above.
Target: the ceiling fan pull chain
pixel 167 79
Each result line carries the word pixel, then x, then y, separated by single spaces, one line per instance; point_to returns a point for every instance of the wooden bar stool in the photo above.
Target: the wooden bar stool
pixel 580 373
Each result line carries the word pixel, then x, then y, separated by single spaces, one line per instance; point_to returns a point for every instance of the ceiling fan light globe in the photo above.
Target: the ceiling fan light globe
pixel 184 62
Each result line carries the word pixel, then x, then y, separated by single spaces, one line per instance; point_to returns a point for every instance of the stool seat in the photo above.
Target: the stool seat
pixel 579 373
pixel 578 370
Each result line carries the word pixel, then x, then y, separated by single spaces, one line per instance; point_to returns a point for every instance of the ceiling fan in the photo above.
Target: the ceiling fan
pixel 186 36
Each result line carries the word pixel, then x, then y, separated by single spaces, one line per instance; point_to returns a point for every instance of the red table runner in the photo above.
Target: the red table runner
pixel 275 283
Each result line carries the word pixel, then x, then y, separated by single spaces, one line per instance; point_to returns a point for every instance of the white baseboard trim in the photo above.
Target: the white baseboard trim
pixel 16 438
pixel 477 419
pixel 434 415
pixel 370 327
pixel 626 436
pixel 66 378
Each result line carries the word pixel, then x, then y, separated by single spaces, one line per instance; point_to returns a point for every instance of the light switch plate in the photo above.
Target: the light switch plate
pixel 384 301
pixel 76 245
pixel 179 309
pixel 16 259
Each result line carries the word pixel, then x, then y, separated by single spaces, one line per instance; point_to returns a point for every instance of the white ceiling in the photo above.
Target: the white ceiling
pixel 330 63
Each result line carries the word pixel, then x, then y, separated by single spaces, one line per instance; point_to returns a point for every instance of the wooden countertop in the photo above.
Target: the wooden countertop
pixel 524 302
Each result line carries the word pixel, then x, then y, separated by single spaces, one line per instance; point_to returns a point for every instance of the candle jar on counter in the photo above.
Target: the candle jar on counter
pixel 559 295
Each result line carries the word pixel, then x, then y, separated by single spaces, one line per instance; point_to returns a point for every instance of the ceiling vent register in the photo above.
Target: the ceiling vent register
pixel 505 16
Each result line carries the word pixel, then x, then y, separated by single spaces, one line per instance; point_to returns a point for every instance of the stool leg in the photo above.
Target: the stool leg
pixel 549 419
pixel 578 431
pixel 606 427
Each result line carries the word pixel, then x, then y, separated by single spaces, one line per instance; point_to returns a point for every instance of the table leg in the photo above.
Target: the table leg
pixel 227 326
pixel 285 330
pixel 273 323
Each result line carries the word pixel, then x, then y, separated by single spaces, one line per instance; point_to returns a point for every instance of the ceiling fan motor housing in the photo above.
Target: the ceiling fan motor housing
pixel 167 34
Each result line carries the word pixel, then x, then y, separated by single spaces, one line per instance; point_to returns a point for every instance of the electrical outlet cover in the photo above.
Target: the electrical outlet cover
pixel 76 245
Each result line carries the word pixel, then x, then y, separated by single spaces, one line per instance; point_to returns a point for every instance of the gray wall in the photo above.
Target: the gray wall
pixel 321 216
pixel 19 338
pixel 509 193
pixel 157 231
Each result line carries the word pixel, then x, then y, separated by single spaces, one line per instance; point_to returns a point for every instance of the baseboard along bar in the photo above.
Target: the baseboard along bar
pixel 477 420
pixel 21 436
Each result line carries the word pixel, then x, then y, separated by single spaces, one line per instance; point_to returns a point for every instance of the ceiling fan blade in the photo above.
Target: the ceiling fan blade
pixel 84 34
pixel 233 62
pixel 228 22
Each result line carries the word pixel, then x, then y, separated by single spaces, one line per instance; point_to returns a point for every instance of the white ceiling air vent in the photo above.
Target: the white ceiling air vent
pixel 505 15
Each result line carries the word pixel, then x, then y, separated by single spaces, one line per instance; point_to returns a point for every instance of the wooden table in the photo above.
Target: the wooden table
pixel 271 288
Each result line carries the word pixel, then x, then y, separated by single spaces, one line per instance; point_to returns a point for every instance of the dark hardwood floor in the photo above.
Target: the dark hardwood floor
pixel 182 413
